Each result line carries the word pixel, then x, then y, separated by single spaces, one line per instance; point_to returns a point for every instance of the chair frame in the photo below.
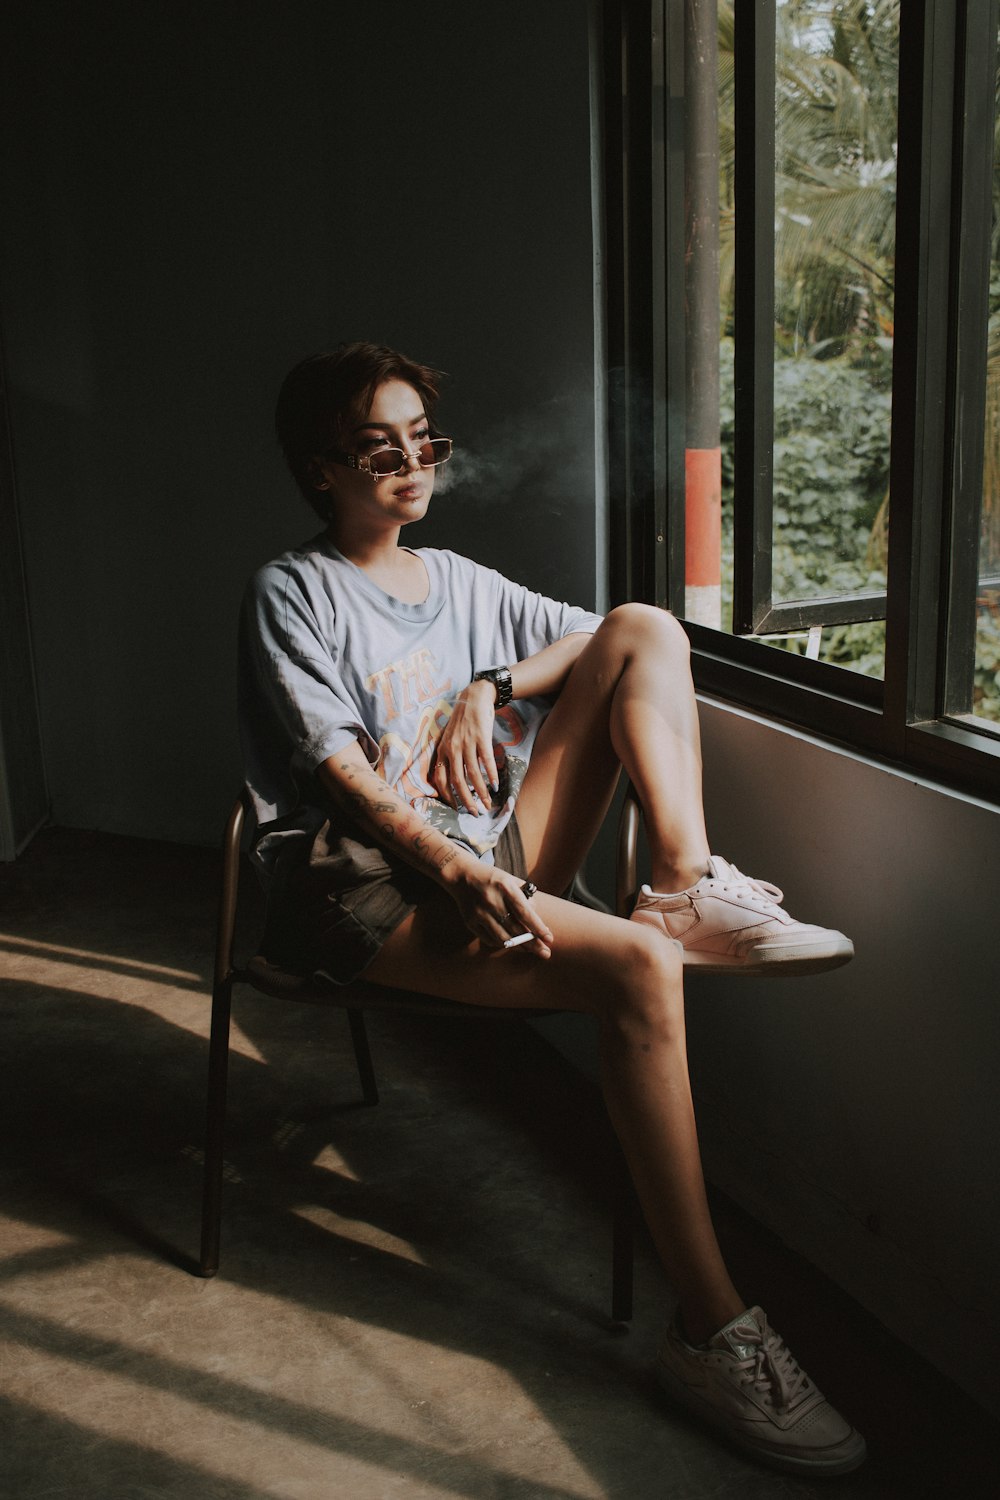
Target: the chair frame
pixel 355 999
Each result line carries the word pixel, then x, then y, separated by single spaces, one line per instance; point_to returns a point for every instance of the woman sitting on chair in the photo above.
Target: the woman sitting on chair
pixel 431 750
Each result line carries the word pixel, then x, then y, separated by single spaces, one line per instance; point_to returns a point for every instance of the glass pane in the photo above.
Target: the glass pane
pixel 836 79
pixel 836 87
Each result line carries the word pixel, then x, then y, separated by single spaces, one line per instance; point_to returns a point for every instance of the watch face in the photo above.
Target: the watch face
pixel 502 684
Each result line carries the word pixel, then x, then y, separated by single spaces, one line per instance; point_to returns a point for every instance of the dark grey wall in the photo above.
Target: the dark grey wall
pixel 23 793
pixel 194 197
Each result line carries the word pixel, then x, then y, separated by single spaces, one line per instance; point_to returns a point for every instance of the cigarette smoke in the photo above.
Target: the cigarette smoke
pixel 540 454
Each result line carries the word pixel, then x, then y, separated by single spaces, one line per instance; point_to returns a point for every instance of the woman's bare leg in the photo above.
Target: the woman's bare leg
pixel 628 702
pixel 630 980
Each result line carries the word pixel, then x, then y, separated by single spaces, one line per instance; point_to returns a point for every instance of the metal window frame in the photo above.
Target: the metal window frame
pixel 973 214
pixel 933 375
pixel 938 343
pixel 753 318
pixel 636 349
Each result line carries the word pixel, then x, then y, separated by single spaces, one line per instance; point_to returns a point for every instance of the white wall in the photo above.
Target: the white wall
pixel 857 1113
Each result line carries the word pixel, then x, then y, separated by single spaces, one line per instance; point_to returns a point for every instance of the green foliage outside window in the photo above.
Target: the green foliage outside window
pixel 832 470
pixel 832 456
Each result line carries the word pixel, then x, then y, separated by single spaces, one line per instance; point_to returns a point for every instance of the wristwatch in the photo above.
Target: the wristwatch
pixel 502 684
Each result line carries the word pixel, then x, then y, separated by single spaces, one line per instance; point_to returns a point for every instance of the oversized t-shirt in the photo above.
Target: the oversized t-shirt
pixel 327 657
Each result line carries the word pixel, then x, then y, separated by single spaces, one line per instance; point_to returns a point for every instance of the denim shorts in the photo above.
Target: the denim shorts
pixel 336 909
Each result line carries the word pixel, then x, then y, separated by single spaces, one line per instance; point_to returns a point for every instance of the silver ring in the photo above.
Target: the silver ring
pixel 529 889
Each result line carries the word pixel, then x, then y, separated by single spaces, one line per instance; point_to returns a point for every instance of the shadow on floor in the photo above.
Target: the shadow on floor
pixel 413 1298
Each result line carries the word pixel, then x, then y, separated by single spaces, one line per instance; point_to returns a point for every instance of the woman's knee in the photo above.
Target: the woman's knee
pixel 646 626
pixel 644 999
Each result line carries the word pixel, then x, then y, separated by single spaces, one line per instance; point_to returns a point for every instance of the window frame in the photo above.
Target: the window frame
pixel 755 612
pixel 947 92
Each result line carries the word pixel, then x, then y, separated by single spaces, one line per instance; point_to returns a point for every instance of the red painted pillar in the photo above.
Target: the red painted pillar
pixel 703 535
pixel 703 463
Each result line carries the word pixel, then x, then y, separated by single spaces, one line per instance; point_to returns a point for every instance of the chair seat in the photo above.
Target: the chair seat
pixel 362 994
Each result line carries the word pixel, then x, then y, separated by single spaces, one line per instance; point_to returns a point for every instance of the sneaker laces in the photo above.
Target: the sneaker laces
pixel 742 886
pixel 772 1369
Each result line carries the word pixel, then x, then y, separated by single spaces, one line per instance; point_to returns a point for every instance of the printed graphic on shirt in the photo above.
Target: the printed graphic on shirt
pixel 403 685
pixel 407 751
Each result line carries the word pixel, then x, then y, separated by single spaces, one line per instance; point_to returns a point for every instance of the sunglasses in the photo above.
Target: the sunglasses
pixel 386 461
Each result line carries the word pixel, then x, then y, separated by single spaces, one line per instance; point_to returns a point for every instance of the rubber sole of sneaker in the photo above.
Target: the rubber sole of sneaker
pixel 843 1459
pixel 780 963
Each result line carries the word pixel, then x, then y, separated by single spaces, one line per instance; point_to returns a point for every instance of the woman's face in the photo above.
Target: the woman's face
pixel 395 419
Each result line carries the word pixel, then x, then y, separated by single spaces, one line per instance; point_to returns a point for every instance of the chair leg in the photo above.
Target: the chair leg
pixel 363 1056
pixel 623 1236
pixel 215 1127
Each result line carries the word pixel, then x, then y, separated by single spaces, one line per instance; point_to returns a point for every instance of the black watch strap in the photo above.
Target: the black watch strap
pixel 502 684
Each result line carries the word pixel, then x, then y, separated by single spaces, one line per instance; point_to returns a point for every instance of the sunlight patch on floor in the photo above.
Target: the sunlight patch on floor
pixel 146 986
pixel 32 947
pixel 87 977
pixel 361 1233
pixel 298 1404
pixel 329 1159
pixel 21 1237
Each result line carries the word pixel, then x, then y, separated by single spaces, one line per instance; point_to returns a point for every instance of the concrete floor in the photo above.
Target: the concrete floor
pixel 413 1299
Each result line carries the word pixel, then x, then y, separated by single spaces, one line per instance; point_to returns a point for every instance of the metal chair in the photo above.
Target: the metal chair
pixel 355 999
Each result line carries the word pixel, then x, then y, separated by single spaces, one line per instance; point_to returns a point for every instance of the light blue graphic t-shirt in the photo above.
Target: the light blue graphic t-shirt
pixel 327 657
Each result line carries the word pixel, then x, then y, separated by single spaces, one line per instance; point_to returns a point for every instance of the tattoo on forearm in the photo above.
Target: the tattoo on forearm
pixel 366 803
pixel 392 819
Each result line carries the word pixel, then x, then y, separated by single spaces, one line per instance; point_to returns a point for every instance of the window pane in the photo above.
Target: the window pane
pixel 835 199
pixel 836 80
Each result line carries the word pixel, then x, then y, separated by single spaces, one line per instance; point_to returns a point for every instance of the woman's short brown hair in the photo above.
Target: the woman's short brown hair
pixel 322 392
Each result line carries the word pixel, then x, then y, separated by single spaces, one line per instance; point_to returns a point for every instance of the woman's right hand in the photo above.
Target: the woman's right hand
pixel 494 908
pixel 491 901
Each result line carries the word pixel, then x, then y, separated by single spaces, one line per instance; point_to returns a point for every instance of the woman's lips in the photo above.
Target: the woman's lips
pixel 410 492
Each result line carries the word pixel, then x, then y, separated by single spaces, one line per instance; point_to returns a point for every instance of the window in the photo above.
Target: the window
pixel 803 270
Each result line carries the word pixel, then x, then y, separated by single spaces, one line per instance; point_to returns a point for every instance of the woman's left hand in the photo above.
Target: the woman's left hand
pixel 465 766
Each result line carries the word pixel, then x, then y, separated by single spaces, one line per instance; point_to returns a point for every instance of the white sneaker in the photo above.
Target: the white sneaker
pixel 746 1384
pixel 730 922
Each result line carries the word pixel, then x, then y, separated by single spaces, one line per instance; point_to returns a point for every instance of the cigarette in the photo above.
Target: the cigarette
pixel 522 937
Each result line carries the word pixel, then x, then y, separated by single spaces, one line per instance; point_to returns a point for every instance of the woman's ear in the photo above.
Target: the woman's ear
pixel 317 478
